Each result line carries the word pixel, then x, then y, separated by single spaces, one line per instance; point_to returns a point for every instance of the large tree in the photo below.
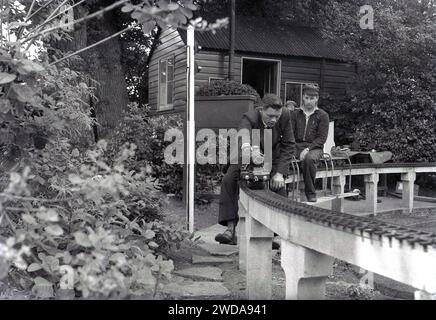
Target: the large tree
pixel 104 54
pixel 103 64
pixel 303 12
pixel 392 102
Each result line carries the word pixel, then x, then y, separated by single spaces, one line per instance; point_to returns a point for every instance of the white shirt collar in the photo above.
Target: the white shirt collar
pixel 309 113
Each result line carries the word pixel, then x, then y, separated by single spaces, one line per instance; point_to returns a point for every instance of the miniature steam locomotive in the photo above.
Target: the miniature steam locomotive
pixel 256 177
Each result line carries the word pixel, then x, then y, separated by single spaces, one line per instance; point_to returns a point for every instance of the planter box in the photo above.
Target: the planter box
pixel 221 112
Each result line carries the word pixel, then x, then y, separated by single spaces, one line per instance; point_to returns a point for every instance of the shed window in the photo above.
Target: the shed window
pixel 294 92
pixel 166 83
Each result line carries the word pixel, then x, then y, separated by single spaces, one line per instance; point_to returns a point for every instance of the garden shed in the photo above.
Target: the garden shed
pixel 273 56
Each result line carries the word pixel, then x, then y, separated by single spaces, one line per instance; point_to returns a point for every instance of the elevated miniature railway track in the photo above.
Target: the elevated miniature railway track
pixel 312 237
pixel 343 221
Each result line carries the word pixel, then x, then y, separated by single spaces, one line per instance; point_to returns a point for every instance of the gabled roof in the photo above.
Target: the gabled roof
pixel 268 36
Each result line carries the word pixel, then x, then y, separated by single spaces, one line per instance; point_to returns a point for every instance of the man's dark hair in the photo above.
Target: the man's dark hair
pixel 271 100
pixel 311 89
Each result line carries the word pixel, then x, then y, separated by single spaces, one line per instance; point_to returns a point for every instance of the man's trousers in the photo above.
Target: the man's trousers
pixel 309 171
pixel 229 196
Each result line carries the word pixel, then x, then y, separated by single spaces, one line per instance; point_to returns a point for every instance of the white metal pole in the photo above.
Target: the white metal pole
pixel 190 140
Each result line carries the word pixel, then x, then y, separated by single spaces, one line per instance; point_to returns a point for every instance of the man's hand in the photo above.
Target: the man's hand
pixel 277 181
pixel 304 153
pixel 257 156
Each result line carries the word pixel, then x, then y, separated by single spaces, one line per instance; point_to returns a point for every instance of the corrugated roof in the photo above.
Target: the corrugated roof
pixel 268 36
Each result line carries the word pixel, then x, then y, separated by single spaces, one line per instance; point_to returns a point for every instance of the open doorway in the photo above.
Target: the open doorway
pixel 262 74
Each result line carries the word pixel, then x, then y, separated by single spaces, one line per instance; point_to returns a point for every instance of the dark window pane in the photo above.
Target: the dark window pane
pixel 162 82
pixel 293 92
pixel 162 71
pixel 170 75
pixel 170 89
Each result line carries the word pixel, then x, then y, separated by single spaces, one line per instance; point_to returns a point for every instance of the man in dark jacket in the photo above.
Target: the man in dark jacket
pixel 311 126
pixel 272 115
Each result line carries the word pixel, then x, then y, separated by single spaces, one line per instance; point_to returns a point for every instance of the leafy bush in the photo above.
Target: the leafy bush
pixel 399 117
pixel 83 239
pixel 73 222
pixel 40 102
pixel 391 103
pixel 147 132
pixel 76 219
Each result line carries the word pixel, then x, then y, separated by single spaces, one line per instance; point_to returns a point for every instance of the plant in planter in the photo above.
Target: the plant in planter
pixel 227 88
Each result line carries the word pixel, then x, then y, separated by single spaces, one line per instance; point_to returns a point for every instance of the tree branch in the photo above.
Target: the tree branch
pixel 30 10
pixel 95 14
pixel 60 13
pixel 48 20
pixel 1 23
pixel 50 17
pixel 39 9
pixel 57 8
pixel 93 45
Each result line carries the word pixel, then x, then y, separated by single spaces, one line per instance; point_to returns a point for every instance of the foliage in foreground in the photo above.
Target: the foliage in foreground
pixel 75 219
pixel 84 241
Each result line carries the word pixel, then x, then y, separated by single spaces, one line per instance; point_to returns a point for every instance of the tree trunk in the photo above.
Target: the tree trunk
pixel 104 66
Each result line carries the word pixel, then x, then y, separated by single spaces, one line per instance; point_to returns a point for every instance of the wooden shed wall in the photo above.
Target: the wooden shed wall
pixel 336 74
pixel 214 64
pixel 170 44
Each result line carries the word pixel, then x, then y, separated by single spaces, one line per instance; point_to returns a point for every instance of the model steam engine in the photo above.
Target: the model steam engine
pixel 256 177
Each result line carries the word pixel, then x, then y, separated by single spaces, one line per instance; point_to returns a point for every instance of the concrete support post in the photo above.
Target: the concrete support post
pixel 259 260
pixel 371 182
pixel 306 272
pixel 424 295
pixel 408 180
pixel 338 188
pixel 242 238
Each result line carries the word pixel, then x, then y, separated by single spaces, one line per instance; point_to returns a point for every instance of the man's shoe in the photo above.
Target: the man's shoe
pixel 226 238
pixel 275 245
pixel 311 199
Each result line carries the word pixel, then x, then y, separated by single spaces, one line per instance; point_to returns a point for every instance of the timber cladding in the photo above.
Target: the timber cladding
pixel 330 72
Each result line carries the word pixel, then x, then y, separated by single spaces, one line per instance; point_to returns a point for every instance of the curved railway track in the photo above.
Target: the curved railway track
pixel 347 222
